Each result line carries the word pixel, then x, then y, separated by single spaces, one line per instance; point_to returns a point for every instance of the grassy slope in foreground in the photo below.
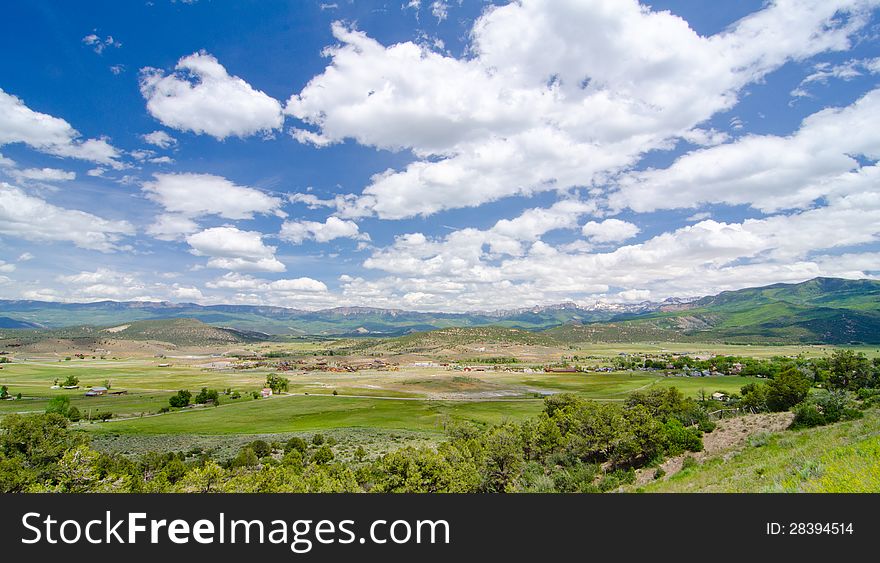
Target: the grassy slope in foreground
pixel 842 457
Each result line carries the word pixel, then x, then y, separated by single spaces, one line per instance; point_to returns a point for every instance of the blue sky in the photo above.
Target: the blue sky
pixel 435 155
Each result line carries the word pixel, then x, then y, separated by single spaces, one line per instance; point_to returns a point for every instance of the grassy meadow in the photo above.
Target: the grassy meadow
pixel 409 399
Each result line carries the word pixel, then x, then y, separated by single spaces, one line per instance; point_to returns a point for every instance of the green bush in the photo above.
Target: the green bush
pixel 73 414
pixel 825 408
pixel 246 458
pixel 293 459
pixel 260 447
pixel 323 456
pixel 616 479
pixel 807 415
pixel 689 462
pixel 679 439
pixel 706 425
pixel 296 443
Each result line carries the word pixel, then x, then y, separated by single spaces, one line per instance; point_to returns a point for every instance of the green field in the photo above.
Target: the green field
pixel 418 399
pixel 295 413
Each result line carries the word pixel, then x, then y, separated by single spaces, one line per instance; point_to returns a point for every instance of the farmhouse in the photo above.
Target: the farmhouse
pixel 96 391
pixel 266 392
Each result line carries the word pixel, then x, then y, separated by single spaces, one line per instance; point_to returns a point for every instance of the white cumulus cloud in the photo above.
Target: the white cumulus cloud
pixel 49 134
pixel 195 195
pixel 200 96
pixel 333 228
pixel 32 218
pixel 551 94
pixel 232 249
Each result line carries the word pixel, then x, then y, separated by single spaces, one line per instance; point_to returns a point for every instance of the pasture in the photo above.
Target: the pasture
pixel 417 399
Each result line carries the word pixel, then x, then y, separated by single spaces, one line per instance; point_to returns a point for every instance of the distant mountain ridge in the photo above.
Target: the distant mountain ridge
pixel 819 310
pixel 281 320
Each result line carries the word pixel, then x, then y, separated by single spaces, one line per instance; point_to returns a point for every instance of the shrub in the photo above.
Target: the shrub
pixel 578 478
pixel 296 443
pixel 680 439
pixel 754 397
pixel 616 479
pixel 689 462
pixel 246 458
pixel 825 408
pixel 318 439
pixel 323 456
pixel 759 440
pixel 807 415
pixel 867 393
pixel 293 459
pixel 706 425
pixel 73 414
pixel 261 448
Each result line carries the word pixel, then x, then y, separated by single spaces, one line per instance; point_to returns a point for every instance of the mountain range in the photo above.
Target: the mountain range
pixel 821 310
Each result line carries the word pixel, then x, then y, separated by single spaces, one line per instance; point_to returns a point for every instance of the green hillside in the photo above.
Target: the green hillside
pixel 842 457
pixel 822 310
pixel 180 332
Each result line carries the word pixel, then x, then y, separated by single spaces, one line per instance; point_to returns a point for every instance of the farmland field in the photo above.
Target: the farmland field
pixel 404 404
pixel 148 388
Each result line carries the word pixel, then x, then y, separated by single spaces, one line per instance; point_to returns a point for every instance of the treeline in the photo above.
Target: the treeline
pixel 819 370
pixel 497 360
pixel 573 445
